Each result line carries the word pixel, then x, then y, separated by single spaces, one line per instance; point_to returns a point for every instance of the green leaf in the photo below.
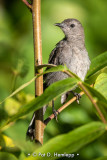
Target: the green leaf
pixel 20 88
pixel 53 69
pixel 101 158
pixel 8 156
pixel 101 84
pixel 99 98
pixel 53 91
pixel 2 141
pixel 96 94
pixel 70 142
pixel 97 65
pixel 11 106
pixel 92 79
pixel 56 69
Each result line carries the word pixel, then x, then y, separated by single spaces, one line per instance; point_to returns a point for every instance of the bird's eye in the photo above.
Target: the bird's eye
pixel 72 25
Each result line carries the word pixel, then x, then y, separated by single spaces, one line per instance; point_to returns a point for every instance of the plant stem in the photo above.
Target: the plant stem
pixel 15 76
pixel 46 121
pixel 93 102
pixel 27 4
pixel 36 15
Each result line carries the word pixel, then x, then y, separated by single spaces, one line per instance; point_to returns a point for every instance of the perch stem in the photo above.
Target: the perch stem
pixel 36 15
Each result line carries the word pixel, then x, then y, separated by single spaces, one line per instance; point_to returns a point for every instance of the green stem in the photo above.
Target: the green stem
pixel 36 15
pixel 15 75
pixel 93 102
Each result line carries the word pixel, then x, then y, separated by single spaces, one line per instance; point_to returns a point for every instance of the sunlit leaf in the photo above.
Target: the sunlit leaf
pixel 70 142
pixel 11 106
pixel 101 84
pixel 101 101
pixel 53 69
pixel 97 64
pixel 93 77
pixel 8 141
pixel 8 156
pixel 54 90
pixel 95 93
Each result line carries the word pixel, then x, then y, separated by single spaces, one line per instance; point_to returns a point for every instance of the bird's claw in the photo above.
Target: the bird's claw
pixel 78 96
pixel 55 112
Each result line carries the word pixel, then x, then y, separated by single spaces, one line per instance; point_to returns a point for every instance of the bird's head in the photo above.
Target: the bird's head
pixel 71 28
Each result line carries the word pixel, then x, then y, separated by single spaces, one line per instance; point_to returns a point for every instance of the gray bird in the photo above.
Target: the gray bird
pixel 70 51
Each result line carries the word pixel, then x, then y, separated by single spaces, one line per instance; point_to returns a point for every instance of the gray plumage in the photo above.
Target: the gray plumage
pixel 70 51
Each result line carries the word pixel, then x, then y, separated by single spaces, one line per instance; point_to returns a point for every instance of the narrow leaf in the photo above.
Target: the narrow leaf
pixel 7 156
pixel 19 89
pixel 101 84
pixel 93 77
pixel 97 64
pixel 54 90
pixel 70 142
pixel 53 69
pixel 101 101
pixel 95 93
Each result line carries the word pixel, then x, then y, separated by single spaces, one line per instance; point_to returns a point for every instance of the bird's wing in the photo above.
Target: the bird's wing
pixel 54 56
pixel 53 59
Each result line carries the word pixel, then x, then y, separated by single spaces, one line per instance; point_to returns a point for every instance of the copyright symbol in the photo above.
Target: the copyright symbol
pixel 34 154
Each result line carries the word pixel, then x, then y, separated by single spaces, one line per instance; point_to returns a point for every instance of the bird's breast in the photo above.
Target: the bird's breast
pixel 76 60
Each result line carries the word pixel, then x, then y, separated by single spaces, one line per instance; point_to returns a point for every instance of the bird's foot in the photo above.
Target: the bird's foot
pixel 78 96
pixel 55 112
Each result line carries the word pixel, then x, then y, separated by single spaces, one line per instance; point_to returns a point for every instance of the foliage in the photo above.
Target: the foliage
pixel 68 143
pixel 78 129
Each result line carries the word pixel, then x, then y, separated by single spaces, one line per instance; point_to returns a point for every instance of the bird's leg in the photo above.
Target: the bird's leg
pixel 77 95
pixel 55 112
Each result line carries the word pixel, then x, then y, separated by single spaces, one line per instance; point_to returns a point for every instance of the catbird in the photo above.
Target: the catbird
pixel 70 51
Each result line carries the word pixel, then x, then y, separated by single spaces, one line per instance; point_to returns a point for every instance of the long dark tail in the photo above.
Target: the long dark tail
pixel 30 134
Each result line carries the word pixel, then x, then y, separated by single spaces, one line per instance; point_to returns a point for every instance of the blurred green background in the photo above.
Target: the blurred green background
pixel 17 62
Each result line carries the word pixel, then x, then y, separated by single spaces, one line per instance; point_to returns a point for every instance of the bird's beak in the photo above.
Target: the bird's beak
pixel 59 24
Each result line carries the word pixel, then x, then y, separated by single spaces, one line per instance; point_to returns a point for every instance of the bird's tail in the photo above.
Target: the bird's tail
pixel 30 134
